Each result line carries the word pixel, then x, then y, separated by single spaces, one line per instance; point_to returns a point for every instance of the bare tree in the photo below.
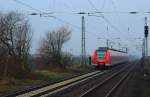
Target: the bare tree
pixel 51 48
pixel 15 39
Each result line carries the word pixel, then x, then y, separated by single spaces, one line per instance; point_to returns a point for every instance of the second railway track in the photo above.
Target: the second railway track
pixel 109 85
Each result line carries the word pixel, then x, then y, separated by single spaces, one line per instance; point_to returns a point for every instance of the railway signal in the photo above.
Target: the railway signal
pixel 146 30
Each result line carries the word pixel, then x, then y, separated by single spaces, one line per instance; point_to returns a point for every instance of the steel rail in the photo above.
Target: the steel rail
pixel 109 94
pixel 72 84
pixel 56 86
pixel 103 82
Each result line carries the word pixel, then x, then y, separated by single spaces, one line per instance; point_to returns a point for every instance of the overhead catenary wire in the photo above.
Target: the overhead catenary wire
pixel 75 26
pixel 68 7
pixel 102 12
pixel 103 5
pixel 114 6
pixel 97 11
pixel 111 25
pixel 27 5
pixel 24 4
pixel 73 13
pixel 91 3
pixel 95 8
pixel 54 17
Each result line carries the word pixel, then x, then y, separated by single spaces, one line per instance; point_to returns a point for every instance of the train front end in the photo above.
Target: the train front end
pixel 104 57
pixel 101 58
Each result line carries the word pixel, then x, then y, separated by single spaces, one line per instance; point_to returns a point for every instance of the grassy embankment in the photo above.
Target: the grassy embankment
pixel 42 76
pixel 146 86
pixel 37 77
pixel 146 80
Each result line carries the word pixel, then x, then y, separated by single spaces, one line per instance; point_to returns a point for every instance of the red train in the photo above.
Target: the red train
pixel 104 57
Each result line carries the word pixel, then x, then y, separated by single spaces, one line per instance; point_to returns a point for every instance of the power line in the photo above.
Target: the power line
pixel 77 27
pixel 90 2
pixel 103 5
pixel 40 13
pixel 114 27
pixel 68 6
pixel 114 6
pixel 26 5
pixel 67 23
pixel 94 7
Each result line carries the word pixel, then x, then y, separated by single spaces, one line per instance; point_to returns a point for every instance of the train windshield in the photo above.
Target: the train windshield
pixel 101 55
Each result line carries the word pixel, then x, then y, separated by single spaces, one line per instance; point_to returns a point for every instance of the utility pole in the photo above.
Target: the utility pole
pixel 119 45
pixel 128 30
pixel 146 36
pixel 83 42
pixel 146 45
pixel 143 48
pixel 126 50
pixel 107 43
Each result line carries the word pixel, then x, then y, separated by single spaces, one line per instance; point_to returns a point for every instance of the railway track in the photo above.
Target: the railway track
pixel 109 85
pixel 50 89
pixel 82 87
pixel 65 88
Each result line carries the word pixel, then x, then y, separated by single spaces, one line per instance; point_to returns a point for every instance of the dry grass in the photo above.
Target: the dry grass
pixel 38 77
pixel 6 87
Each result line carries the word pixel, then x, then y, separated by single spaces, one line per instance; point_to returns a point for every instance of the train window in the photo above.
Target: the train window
pixel 101 55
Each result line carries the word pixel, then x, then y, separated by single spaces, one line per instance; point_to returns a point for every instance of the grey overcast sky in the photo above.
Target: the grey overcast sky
pixel 121 24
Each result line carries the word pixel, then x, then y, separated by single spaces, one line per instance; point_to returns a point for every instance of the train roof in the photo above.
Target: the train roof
pixel 106 48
